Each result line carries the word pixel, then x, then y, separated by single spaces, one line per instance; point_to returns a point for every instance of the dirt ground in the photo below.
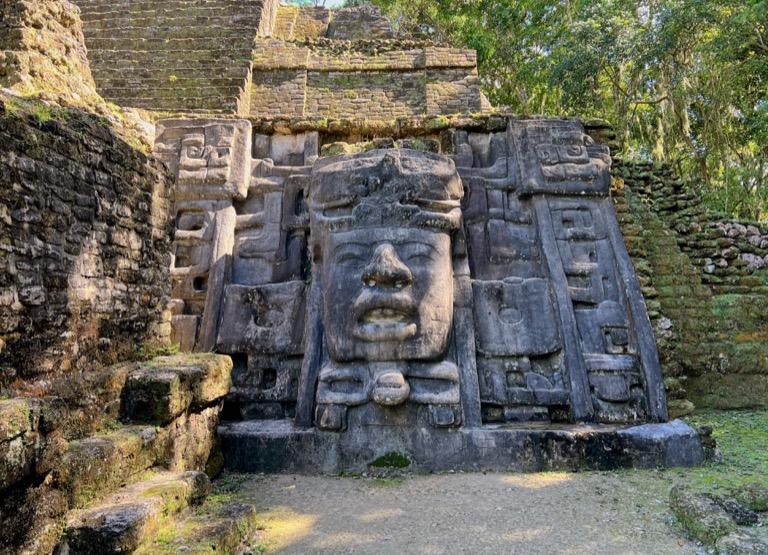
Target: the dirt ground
pixel 619 513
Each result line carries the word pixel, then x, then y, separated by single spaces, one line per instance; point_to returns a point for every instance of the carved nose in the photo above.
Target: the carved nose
pixel 386 269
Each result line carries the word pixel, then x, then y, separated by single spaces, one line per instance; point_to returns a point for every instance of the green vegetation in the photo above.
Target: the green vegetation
pixel 391 460
pixel 144 351
pixel 387 482
pixel 682 81
pixel 741 437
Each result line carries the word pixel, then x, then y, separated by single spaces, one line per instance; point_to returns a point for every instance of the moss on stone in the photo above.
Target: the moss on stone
pixel 700 515
pixel 391 460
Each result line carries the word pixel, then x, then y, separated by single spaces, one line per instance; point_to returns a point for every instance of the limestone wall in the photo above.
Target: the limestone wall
pixel 706 287
pixel 42 48
pixel 371 79
pixel 84 245
pixel 175 55
pixel 181 57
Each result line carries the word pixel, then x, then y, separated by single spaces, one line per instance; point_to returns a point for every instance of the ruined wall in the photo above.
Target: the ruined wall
pixel 42 48
pixel 84 244
pixel 175 55
pixel 706 287
pixel 373 79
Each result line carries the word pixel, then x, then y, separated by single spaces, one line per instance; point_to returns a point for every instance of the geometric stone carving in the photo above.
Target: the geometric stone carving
pixel 377 294
pixel 211 158
pixel 557 157
pixel 264 319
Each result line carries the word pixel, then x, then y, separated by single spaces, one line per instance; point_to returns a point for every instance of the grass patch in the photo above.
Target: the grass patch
pixel 391 460
pixel 387 482
pixel 227 488
pixel 741 437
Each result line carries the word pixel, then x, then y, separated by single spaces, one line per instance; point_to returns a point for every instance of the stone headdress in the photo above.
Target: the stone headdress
pixel 383 188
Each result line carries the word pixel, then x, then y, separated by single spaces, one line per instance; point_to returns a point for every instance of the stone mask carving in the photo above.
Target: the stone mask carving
pixel 381 226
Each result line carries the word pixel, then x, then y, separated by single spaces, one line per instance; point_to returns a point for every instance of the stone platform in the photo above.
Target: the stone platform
pixel 280 446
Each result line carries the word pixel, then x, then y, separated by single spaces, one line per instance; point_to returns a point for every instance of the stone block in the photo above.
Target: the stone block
pixel 33 520
pixel 17 459
pixel 97 465
pixel 125 520
pixel 14 419
pixel 754 495
pixel 279 445
pixel 165 387
pixel 224 529
pixel 190 441
pixel 700 515
pixel 741 543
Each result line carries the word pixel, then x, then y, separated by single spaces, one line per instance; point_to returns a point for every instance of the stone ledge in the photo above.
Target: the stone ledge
pixel 278 445
pixel 128 518
pixel 164 388
pixel 225 529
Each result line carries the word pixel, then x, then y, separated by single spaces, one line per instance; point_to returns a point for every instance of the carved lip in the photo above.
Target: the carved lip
pixel 384 316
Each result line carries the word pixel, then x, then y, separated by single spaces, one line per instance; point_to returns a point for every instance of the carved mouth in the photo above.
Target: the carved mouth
pixel 384 317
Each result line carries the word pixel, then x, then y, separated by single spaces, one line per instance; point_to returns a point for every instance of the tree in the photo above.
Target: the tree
pixel 682 81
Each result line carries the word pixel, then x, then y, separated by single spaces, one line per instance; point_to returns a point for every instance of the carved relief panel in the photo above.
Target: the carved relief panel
pixel 397 287
pixel 262 323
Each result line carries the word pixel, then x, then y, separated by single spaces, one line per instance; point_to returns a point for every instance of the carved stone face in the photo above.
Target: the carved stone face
pixel 388 294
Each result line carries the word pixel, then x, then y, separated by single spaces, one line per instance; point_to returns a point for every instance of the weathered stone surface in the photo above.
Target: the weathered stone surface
pixel 32 520
pixel 162 389
pixel 127 519
pixel 226 529
pixel 741 514
pixel 190 441
pixel 94 466
pixel 700 515
pixel 14 419
pixel 113 529
pixel 279 445
pixel 754 495
pixel 83 276
pixel 741 543
pixel 43 49
pixel 709 310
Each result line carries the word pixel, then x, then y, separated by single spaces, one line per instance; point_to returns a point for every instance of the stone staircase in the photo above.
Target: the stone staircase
pixel 112 464
pixel 176 55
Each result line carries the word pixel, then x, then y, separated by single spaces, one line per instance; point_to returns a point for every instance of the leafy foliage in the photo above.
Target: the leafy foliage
pixel 682 81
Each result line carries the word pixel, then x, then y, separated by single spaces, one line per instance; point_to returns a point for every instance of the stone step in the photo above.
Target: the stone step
pixel 106 75
pixel 171 85
pixel 90 7
pixel 192 31
pixel 212 529
pixel 217 41
pixel 173 21
pixel 123 521
pixel 92 467
pixel 162 389
pixel 206 60
pixel 214 103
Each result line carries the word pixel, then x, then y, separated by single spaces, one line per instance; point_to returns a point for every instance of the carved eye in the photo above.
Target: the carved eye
pixel 418 252
pixel 351 254
pixel 195 151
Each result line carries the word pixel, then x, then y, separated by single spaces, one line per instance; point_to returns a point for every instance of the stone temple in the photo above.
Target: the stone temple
pixel 394 268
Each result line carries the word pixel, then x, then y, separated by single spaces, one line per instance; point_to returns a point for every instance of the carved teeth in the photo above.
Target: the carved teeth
pixel 384 314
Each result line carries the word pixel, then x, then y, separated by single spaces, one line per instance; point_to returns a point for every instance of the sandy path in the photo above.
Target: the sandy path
pixel 623 513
